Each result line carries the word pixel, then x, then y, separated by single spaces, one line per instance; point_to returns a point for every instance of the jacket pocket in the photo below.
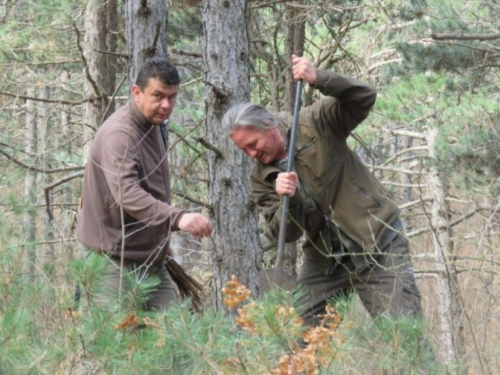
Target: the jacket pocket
pixel 372 198
pixel 307 146
pixel 313 159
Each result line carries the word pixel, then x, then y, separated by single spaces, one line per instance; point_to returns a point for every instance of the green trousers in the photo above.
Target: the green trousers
pixel 109 284
pixel 386 287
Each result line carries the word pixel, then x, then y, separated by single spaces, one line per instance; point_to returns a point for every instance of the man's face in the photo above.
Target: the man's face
pixel 156 101
pixel 263 145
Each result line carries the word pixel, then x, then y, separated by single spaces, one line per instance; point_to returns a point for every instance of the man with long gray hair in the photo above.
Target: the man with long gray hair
pixel 353 238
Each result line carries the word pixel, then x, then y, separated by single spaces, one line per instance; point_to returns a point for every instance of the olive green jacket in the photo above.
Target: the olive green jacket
pixel 340 205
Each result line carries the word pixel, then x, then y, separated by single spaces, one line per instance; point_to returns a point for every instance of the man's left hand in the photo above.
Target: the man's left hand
pixel 303 69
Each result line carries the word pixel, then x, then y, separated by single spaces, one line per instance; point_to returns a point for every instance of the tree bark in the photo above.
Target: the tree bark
pixel 146 24
pixel 100 37
pixel 226 55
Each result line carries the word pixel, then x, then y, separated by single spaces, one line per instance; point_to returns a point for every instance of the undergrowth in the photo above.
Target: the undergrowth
pixel 42 333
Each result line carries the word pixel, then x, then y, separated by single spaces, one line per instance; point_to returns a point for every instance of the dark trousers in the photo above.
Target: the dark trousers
pixel 386 287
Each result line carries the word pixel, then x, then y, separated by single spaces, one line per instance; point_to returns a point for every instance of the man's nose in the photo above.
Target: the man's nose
pixel 166 103
pixel 252 153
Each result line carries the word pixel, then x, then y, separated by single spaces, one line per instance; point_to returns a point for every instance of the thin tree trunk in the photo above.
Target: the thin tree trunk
pixel 447 288
pixel 47 143
pixel 67 214
pixel 406 180
pixel 295 39
pixel 146 24
pixel 226 55
pixel 29 219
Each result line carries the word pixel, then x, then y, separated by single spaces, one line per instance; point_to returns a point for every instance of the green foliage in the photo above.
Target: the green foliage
pixel 39 334
pixel 35 33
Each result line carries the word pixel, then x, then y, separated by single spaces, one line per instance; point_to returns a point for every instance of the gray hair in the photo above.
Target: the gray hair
pixel 248 114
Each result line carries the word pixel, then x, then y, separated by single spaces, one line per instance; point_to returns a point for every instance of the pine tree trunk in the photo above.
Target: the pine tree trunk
pixel 146 25
pixel 100 41
pixel 447 287
pixel 30 185
pixel 226 54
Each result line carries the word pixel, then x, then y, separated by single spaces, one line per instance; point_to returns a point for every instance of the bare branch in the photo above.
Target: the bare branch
pixel 39 169
pixel 48 188
pixel 397 170
pixel 407 133
pixel 65 102
pixel 85 64
pixel 192 200
pixel 415 203
pixel 124 55
pixel 209 146
pixel 480 37
pixel 402 152
pixel 186 142
pixel 451 224
pixel 186 53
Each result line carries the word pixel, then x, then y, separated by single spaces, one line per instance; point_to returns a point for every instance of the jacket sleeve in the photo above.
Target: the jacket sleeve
pixel 119 161
pixel 347 103
pixel 269 204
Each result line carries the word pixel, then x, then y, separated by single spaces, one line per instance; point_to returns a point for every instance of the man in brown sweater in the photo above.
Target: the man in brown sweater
pixel 126 214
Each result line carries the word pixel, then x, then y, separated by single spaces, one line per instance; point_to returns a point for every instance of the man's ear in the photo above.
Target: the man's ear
pixel 136 92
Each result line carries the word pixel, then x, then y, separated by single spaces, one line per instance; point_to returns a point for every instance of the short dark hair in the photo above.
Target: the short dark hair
pixel 158 68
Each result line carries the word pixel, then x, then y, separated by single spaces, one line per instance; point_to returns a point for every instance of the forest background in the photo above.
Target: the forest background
pixel 432 139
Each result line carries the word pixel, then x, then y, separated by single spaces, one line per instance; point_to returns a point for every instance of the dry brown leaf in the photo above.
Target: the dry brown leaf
pixel 130 320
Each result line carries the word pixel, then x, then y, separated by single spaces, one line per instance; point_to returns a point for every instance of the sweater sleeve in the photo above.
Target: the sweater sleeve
pixel 347 103
pixel 120 164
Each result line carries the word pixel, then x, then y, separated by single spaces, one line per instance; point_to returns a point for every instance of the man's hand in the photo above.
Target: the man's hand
pixel 286 183
pixel 196 224
pixel 303 69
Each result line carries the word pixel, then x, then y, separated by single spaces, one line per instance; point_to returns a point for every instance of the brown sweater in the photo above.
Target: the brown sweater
pixel 127 168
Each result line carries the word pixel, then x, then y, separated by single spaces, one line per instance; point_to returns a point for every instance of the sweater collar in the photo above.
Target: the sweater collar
pixel 137 116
